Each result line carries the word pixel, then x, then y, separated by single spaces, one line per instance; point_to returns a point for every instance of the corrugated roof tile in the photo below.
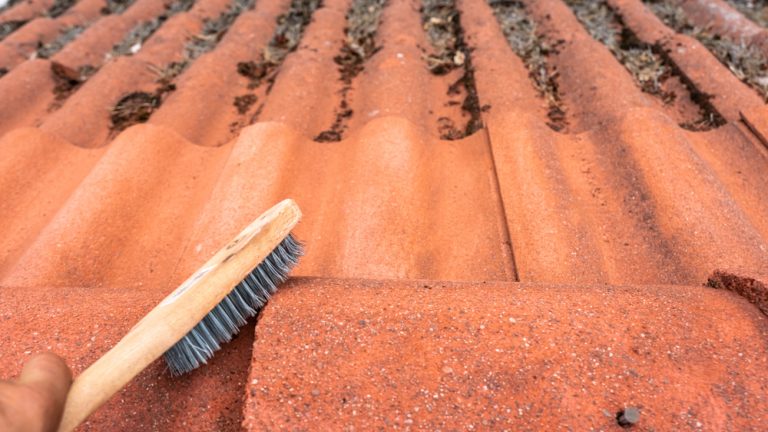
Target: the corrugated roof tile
pixel 448 179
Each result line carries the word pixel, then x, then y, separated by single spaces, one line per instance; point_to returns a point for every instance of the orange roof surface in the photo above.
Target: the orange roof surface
pixel 525 215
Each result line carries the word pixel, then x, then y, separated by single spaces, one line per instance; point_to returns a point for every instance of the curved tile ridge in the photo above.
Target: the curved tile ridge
pixel 26 10
pixel 395 81
pixel 126 223
pixel 725 19
pixel 565 197
pixel 740 166
pixel 91 48
pixel 32 87
pixel 695 209
pixel 631 203
pixel 27 40
pixel 202 108
pixel 551 240
pixel 38 172
pixel 694 61
pixel 424 355
pixel 85 117
pixel 389 202
pixel 310 74
pixel 18 46
pixel 28 91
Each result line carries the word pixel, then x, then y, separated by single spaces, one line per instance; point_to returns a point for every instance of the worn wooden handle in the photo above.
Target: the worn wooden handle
pixel 178 313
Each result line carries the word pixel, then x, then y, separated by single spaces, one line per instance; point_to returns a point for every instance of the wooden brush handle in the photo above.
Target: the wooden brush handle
pixel 178 313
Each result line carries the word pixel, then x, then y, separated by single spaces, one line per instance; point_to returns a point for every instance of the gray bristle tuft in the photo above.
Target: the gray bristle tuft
pixel 225 320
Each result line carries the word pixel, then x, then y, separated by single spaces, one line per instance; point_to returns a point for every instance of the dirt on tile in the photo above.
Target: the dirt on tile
pixel 756 10
pixel 243 103
pixel 215 29
pixel 363 20
pixel 754 288
pixel 67 81
pixel 653 71
pixel 290 28
pixel 133 108
pixel 448 130
pixel 116 6
pixel 59 7
pixel 747 62
pixel 442 23
pixel 288 32
pixel 9 27
pixel 534 49
pixel 137 107
pixel 66 36
pixel 135 38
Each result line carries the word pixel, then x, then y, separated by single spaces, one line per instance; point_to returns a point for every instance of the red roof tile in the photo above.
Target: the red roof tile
pixel 427 356
pixel 615 151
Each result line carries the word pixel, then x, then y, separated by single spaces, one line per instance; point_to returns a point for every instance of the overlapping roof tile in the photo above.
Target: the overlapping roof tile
pixel 517 213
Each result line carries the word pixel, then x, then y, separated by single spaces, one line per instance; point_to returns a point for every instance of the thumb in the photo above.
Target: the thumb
pixel 48 376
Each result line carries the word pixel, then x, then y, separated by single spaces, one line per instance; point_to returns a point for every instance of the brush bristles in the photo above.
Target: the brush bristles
pixel 225 320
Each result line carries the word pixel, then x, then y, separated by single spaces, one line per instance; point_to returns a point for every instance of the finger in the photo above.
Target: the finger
pixel 49 377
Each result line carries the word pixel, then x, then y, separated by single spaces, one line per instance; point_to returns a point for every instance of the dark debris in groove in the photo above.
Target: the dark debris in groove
pixel 214 30
pixel 647 67
pixel 442 22
pixel 647 63
pixel 133 108
pixel 753 290
pixel 362 23
pixel 135 38
pixel 66 36
pixel 3 71
pixel 132 42
pixel 243 103
pixel 756 10
pixel 67 81
pixel 59 7
pixel 709 116
pixel 116 6
pixel 9 27
pixel 290 28
pixel 747 62
pixel 287 35
pixel 137 107
pixel 533 49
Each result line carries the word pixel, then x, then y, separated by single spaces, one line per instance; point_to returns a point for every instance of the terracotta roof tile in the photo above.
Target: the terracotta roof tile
pixel 428 356
pixel 620 160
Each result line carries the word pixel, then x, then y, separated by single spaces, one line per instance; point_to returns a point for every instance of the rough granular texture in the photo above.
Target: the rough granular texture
pixel 427 355
pixel 752 287
pixel 748 62
pixel 546 271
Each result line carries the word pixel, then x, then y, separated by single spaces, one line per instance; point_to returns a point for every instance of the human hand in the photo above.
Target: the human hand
pixel 35 400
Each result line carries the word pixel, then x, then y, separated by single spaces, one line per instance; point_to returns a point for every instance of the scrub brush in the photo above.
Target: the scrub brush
pixel 206 310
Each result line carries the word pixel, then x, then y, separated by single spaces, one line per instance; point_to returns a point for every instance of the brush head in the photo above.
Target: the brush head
pixel 243 302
